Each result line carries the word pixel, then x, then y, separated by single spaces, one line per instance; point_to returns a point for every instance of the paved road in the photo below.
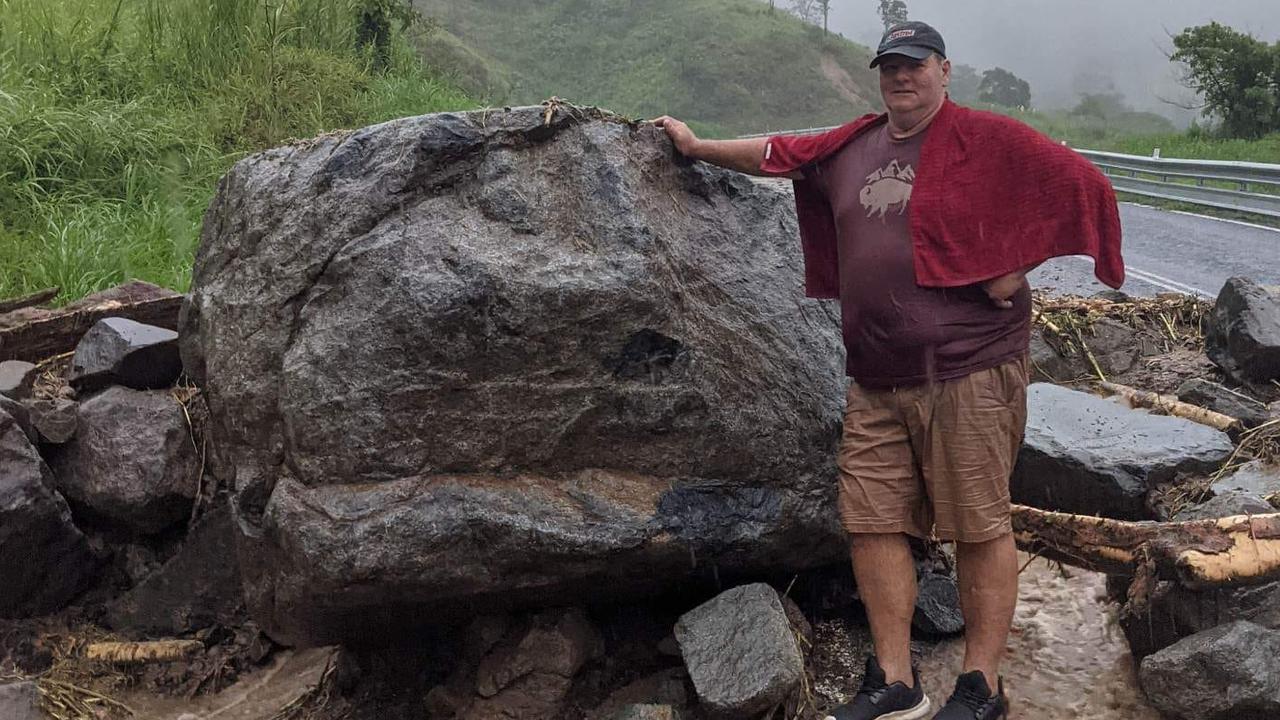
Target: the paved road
pixel 1168 251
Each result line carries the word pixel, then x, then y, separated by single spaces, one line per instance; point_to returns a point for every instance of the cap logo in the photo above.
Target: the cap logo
pixel 899 34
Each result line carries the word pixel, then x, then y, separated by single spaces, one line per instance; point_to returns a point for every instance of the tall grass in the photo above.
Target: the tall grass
pixel 118 116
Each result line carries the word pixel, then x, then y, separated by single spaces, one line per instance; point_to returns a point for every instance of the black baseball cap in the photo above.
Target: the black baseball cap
pixel 915 40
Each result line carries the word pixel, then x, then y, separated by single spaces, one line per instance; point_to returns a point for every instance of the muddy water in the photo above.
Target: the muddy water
pixel 1067 657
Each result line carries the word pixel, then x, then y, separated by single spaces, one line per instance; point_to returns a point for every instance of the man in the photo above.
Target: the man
pixel 924 222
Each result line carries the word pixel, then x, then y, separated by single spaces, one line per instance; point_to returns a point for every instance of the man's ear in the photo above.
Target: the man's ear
pixel 946 72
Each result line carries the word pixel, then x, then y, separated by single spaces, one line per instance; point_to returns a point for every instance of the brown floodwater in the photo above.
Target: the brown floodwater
pixel 1067 657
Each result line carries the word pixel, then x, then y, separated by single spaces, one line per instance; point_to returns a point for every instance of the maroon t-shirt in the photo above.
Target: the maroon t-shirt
pixel 897 333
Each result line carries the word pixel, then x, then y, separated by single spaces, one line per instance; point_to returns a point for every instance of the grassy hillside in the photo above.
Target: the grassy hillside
pixel 730 66
pixel 118 116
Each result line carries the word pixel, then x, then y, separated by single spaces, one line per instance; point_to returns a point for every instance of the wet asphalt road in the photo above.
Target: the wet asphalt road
pixel 1174 252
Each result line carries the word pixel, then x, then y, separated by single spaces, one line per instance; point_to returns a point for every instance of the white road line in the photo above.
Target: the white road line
pixel 1164 282
pixel 1228 220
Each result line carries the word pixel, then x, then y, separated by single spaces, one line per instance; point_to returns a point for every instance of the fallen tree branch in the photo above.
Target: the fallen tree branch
pixel 33 335
pixel 136 653
pixel 35 298
pixel 1238 550
pixel 1171 405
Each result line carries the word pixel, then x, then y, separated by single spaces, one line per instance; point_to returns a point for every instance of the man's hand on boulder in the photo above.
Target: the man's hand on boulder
pixel 1002 289
pixel 681 136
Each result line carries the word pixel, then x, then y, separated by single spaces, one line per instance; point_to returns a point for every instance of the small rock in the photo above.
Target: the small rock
pixel 665 687
pixel 1243 332
pixel 937 605
pixel 44 559
pixel 198 587
pixel 132 462
pixel 669 647
pixel 20 701
pixel 1228 504
pixel 1046 364
pixel 1226 672
pixel 16 379
pixel 54 420
pixel 799 623
pixel 1218 398
pixel 1255 477
pixel 740 652
pixel 1090 455
pixel 119 351
pixel 647 712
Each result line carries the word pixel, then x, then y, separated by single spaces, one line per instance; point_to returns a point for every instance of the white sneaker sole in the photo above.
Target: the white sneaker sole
pixel 919 712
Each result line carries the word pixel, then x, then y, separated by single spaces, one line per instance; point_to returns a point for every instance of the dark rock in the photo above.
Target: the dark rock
pixel 119 351
pixel 1115 346
pixel 1116 296
pixel 669 647
pixel 1228 672
pixel 1047 365
pixel 1090 455
pixel 16 379
pixel 1243 333
pixel 44 560
pixel 21 415
pixel 1256 477
pixel 1232 502
pixel 800 624
pixel 131 463
pixel 1175 612
pixel 531 677
pixel 625 396
pixel 740 651
pixel 665 687
pixel 937 606
pixel 20 701
pixel 198 587
pixel 1204 393
pixel 54 420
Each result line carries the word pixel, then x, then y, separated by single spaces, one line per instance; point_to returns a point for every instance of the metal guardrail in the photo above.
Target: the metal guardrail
pixel 1211 183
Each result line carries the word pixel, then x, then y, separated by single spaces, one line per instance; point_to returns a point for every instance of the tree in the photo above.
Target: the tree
pixel 965 81
pixel 1001 87
pixel 806 10
pixel 825 7
pixel 1237 75
pixel 893 12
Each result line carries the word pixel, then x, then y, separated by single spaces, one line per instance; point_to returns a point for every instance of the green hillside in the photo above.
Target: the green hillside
pixel 729 66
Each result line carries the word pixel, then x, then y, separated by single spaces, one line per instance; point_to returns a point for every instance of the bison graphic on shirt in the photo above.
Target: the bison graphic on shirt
pixel 888 189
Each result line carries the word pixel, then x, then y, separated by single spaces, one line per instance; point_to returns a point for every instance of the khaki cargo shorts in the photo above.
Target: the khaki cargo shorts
pixel 933 459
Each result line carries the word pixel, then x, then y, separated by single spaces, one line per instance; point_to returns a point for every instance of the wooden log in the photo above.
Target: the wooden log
pixel 36 298
pixel 34 335
pixel 1171 405
pixel 137 653
pixel 1199 554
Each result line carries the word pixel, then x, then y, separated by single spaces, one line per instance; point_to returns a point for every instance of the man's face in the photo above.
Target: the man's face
pixel 909 85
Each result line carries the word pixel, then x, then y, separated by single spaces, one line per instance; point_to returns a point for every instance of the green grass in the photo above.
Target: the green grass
pixel 727 66
pixel 117 117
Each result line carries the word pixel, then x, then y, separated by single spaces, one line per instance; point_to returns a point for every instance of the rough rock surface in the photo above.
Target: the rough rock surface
pixel 1227 673
pixel 1243 332
pixel 1205 393
pixel 195 589
pixel 16 379
pixel 1227 504
pixel 20 701
pixel 740 651
pixel 55 420
pixel 1177 612
pixel 1092 455
pixel 44 559
pixel 119 351
pixel 664 688
pixel 533 347
pixel 937 605
pixel 1254 477
pixel 132 462
pixel 647 712
pixel 21 415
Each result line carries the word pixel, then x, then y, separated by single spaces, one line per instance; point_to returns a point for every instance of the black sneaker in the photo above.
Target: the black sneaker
pixel 877 701
pixel 972 700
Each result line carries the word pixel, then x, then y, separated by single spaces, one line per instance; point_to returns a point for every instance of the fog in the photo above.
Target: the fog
pixel 1067 47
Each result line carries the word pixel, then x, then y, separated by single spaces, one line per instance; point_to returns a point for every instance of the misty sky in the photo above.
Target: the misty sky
pixel 1064 46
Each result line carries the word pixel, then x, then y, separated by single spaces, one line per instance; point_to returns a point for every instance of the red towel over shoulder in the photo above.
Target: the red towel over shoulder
pixel 991 196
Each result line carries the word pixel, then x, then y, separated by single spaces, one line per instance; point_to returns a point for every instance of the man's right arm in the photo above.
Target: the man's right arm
pixel 745 156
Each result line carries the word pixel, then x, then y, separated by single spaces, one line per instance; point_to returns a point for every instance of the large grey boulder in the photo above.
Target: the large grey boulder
pixel 1243 332
pixel 1257 477
pixel 44 559
pixel 740 651
pixel 120 351
pixel 1218 398
pixel 1091 455
pixel 507 358
pixel 54 419
pixel 1227 673
pixel 132 462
